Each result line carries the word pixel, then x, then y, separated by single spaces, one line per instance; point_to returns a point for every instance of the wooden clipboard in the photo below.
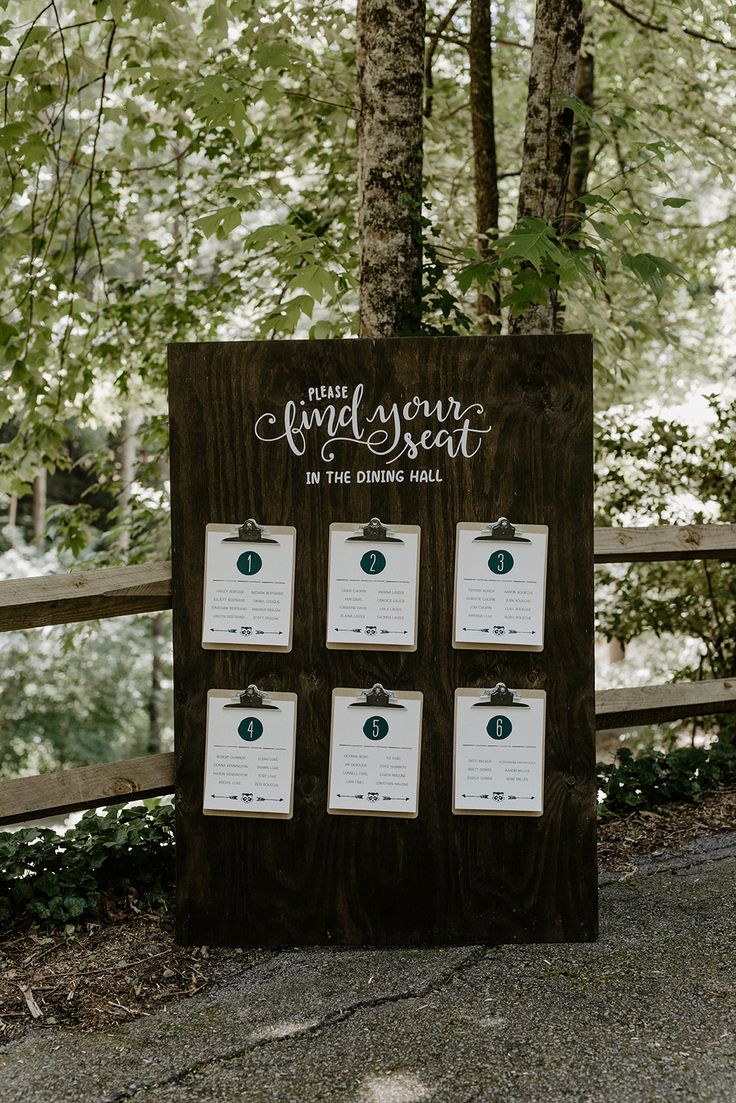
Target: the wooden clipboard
pixel 522 694
pixel 368 810
pixel 373 643
pixel 250 810
pixel 493 643
pixel 244 641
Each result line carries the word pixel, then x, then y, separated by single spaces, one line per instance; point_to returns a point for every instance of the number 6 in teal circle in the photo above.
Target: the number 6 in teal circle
pixel 249 563
pixel 499 727
pixel 501 562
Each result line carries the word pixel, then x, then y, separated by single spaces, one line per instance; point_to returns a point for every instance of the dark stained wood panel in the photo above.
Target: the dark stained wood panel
pixel 439 878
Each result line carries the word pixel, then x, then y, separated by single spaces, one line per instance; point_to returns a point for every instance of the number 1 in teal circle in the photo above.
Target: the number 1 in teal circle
pixel 249 563
pixel 501 562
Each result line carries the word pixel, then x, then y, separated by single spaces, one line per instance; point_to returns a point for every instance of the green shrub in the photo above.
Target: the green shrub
pixel 120 854
pixel 653 778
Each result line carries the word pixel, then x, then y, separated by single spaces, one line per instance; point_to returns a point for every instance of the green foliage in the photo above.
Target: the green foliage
pixel 650 779
pixel 657 470
pixel 122 856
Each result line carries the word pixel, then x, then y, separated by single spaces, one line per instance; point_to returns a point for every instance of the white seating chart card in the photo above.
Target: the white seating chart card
pixel 249 587
pixel 499 752
pixel 249 759
pixel 500 580
pixel 375 749
pixel 373 591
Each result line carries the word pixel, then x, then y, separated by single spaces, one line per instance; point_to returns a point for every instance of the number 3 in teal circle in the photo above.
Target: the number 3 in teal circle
pixel 249 563
pixel 501 562
pixel 373 562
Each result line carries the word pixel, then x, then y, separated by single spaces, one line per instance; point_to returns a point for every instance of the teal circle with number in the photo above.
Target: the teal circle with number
pixel 250 729
pixel 249 563
pixel 375 727
pixel 501 562
pixel 499 727
pixel 373 562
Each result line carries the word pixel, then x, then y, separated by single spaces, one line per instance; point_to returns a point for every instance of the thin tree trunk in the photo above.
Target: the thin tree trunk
pixel 390 64
pixel 545 166
pixel 39 508
pixel 12 520
pixel 580 161
pixel 154 699
pixel 484 153
pixel 127 451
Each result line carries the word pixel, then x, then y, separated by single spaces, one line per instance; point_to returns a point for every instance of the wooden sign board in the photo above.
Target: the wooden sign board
pixel 430 432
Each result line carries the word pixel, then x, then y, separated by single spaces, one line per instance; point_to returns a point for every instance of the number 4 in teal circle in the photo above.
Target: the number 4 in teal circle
pixel 501 562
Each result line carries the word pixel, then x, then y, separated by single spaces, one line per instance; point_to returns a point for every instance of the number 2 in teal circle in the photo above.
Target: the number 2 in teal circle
pixel 373 562
pixel 375 727
pixel 249 563
pixel 499 727
pixel 501 562
pixel 250 729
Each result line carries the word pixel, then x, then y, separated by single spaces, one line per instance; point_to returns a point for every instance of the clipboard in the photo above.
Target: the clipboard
pixel 501 543
pixel 243 585
pixel 367 554
pixel 497 705
pixel 238 768
pixel 369 711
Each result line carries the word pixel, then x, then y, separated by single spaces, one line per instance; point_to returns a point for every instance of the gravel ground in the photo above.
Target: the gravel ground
pixel 646 1014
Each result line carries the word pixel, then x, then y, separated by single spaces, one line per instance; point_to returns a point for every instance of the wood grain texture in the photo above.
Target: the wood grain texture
pixel 123 591
pixel 47 794
pixel 28 798
pixel 619 708
pixel 665 542
pixel 439 878
pixel 84 595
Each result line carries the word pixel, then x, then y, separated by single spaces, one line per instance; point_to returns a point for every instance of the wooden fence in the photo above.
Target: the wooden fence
pixel 122 591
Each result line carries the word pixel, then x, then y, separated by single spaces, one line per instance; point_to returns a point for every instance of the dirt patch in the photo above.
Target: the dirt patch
pixel 101 974
pixel 105 973
pixel 623 840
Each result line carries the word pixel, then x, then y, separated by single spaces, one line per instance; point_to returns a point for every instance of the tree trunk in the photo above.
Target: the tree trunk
pixel 154 700
pixel 39 508
pixel 12 520
pixel 580 161
pixel 127 451
pixel 390 64
pixel 484 153
pixel 545 165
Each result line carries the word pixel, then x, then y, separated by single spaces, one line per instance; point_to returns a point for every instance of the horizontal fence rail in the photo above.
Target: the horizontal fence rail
pixel 26 798
pixel 116 782
pixel 123 591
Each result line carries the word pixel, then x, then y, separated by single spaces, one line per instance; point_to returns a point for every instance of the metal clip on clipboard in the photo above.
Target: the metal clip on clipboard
pixel 250 533
pixel 503 530
pixel 377 698
pixel 252 698
pixel 500 697
pixel 376 532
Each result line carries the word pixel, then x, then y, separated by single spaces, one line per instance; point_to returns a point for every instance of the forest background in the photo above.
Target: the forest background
pixel 189 171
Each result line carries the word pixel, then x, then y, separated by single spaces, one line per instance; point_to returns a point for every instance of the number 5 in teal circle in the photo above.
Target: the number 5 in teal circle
pixel 501 562
pixel 375 727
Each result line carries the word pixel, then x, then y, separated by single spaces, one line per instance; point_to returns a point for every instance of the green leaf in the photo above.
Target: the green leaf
pixel 221 222
pixel 532 241
pixel 653 272
pixel 674 201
